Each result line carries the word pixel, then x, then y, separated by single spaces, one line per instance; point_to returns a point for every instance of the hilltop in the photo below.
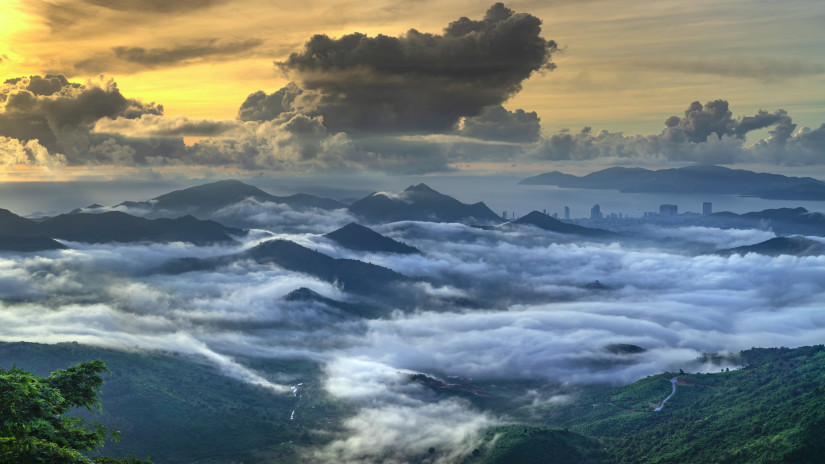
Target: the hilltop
pixel 357 237
pixel 421 203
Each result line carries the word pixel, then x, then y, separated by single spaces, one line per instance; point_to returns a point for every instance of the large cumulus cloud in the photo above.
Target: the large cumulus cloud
pixel 421 82
pixel 707 134
pixel 59 114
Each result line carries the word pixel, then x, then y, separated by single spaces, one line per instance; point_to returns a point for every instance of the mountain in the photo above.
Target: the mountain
pixel 545 222
pixel 783 221
pixel 357 237
pixel 352 275
pixel 706 179
pixel 421 203
pixel 795 245
pixel 115 226
pixel 204 200
pixel 25 244
pixel 305 295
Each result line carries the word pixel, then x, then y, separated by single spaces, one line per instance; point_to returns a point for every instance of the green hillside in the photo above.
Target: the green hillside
pixel 771 411
pixel 178 410
pixel 536 445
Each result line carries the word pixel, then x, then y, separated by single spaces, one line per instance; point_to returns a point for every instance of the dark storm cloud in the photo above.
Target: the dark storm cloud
pixel 498 123
pixel 705 134
pixel 421 82
pixel 60 114
pixel 700 122
pixel 262 107
pixel 130 58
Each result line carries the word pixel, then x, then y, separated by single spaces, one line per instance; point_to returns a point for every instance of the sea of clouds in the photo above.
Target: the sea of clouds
pixel 495 304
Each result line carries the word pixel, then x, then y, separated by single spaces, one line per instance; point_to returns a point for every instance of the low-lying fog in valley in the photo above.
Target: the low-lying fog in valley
pixel 490 304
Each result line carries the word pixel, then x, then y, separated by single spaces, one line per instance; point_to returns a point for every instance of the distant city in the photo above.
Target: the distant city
pixel 666 211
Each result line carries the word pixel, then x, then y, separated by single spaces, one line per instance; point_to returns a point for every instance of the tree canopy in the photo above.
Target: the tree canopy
pixel 34 427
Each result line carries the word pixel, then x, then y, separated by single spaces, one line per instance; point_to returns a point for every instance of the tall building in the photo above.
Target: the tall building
pixel 504 215
pixel 668 210
pixel 596 212
pixel 566 213
pixel 707 208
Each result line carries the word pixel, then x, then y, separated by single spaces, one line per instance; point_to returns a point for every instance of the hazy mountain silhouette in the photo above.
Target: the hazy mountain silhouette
pixel 706 179
pixel 204 200
pixel 543 221
pixel 360 309
pixel 352 275
pixel 24 244
pixel 795 245
pixel 115 226
pixel 421 203
pixel 357 237
pixel 783 221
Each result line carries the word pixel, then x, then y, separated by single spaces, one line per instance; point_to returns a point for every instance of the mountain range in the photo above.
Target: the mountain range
pixel 115 226
pixel 353 275
pixel 204 200
pixel 706 179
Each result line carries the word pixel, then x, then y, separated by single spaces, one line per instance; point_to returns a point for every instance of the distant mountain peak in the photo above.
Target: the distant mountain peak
pixel 357 237
pixel 421 203
pixel 421 188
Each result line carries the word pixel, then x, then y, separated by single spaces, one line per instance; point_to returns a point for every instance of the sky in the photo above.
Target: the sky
pixel 210 88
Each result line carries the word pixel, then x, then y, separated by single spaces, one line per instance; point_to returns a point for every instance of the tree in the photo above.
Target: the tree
pixel 34 427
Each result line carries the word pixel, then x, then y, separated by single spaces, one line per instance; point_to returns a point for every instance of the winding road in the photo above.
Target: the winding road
pixel 673 382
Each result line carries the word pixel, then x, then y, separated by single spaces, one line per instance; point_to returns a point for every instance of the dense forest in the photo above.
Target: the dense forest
pixel 178 409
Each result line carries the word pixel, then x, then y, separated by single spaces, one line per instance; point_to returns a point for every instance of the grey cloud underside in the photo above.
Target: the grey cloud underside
pixel 60 114
pixel 706 134
pixel 498 123
pixel 420 82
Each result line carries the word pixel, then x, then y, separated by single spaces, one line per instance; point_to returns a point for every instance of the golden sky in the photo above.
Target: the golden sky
pixel 623 66
pixel 626 65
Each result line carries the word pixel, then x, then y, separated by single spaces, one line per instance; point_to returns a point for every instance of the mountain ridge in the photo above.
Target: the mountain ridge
pixel 708 179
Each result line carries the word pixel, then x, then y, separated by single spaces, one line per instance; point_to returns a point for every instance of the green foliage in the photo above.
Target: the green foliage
pixel 178 409
pixel 771 411
pixel 35 428
pixel 528 445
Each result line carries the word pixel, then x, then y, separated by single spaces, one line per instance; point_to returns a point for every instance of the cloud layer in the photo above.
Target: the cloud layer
pixel 511 304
